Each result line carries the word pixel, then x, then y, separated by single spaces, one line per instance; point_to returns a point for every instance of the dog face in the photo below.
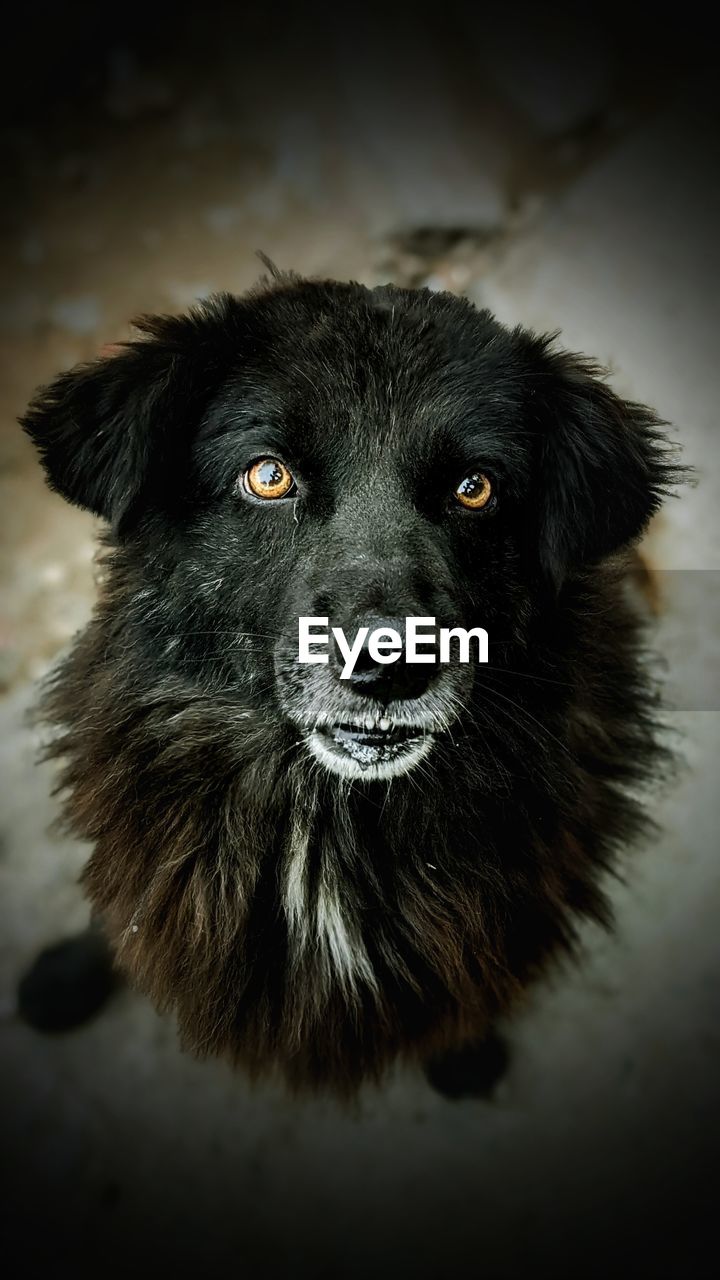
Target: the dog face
pixel 322 450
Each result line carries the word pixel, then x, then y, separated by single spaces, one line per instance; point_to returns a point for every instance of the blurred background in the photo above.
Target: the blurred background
pixel 559 165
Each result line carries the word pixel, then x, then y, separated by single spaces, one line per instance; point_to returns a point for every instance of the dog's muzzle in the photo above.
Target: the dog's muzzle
pixel 380 722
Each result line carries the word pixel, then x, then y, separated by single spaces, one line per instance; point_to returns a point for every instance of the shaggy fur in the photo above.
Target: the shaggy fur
pixel 291 917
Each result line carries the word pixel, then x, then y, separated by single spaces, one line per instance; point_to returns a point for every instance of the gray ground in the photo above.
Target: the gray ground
pixel 586 206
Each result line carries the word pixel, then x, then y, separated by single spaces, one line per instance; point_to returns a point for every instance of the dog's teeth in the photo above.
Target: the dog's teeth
pixel 384 723
pixel 369 723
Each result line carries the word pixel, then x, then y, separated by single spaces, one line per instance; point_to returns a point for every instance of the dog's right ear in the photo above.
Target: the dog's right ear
pixel 108 430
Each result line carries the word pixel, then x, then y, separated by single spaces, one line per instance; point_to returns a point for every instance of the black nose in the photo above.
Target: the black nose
pixel 386 681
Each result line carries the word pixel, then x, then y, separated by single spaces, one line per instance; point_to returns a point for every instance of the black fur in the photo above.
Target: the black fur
pixel 293 918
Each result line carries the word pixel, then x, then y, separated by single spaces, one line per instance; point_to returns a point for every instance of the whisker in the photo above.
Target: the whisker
pixel 524 711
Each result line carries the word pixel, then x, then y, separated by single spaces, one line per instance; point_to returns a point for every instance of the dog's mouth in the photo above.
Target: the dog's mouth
pixel 373 741
pixel 370 748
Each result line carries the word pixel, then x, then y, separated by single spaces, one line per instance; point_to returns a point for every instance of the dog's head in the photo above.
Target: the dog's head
pixel 325 450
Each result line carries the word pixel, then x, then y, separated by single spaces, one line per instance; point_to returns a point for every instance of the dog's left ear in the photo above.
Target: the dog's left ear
pixel 113 435
pixel 605 465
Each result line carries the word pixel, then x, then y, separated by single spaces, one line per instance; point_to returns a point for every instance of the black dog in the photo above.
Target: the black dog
pixel 323 875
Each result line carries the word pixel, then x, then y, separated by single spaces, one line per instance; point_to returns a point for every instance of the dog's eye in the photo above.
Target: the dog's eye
pixel 474 492
pixel 269 478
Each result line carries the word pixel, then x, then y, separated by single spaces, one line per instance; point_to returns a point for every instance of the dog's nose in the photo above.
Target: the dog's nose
pixel 386 681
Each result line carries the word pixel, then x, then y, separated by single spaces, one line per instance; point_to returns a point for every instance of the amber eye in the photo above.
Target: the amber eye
pixel 269 478
pixel 474 492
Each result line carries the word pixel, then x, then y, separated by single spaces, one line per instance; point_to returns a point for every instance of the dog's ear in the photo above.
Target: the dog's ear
pixel 108 430
pixel 605 465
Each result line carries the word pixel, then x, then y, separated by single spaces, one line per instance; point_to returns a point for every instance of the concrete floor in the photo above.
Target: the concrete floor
pixel 587 205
